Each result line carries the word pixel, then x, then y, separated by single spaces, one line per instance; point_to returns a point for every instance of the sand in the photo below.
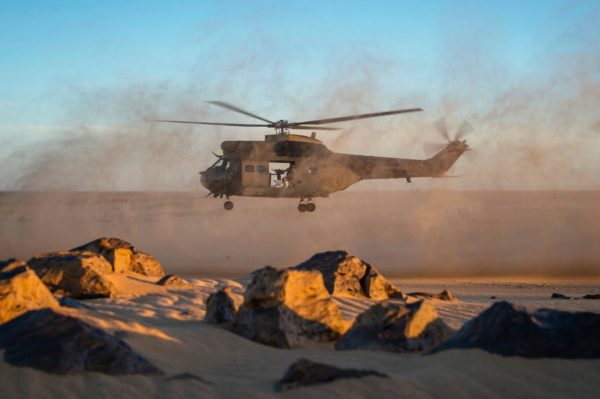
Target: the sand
pixel 165 326
pixel 522 246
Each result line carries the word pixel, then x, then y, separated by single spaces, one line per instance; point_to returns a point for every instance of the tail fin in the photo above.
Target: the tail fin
pixel 443 160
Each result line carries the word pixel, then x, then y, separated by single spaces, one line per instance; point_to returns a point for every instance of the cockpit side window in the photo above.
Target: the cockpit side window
pixel 218 163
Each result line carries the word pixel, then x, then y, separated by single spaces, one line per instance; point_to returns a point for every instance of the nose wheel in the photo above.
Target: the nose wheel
pixel 307 206
pixel 228 205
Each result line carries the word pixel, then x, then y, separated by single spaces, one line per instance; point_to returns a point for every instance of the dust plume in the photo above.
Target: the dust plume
pixel 526 205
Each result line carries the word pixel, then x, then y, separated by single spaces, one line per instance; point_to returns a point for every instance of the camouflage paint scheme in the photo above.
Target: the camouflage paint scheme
pixel 318 170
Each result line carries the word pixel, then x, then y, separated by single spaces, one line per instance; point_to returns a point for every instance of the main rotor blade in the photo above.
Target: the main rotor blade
pixel 237 109
pixel 304 127
pixel 353 117
pixel 216 123
pixel 464 129
pixel 442 128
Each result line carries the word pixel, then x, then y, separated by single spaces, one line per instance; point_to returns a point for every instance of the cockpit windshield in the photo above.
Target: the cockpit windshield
pixel 220 164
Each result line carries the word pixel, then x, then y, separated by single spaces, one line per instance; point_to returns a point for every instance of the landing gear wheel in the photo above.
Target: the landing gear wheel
pixel 302 207
pixel 228 205
pixel 310 207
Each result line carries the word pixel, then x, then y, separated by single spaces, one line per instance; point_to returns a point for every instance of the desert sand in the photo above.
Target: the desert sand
pixel 197 238
pixel 165 326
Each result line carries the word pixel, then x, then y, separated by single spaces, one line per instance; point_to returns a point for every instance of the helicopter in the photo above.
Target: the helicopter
pixel 287 165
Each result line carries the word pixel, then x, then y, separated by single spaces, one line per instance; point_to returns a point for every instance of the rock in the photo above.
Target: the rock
pixel 173 280
pixel 187 376
pixel 49 341
pixel 123 256
pixel 10 265
pixel 442 296
pixel 347 275
pixel 117 252
pixel 21 290
pixel 147 265
pixel 559 296
pixel 394 327
pixel 81 275
pixel 306 372
pixel 591 296
pixel 288 309
pixel 222 306
pixel 509 330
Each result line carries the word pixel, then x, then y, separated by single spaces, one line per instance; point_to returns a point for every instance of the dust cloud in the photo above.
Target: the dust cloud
pixel 527 205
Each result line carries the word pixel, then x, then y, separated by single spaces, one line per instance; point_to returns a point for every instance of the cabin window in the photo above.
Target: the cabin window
pixel 249 168
pixel 313 170
pixel 262 169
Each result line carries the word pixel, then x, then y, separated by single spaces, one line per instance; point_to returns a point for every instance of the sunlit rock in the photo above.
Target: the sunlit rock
pixel 59 344
pixel 305 372
pixel 222 306
pixel 511 330
pixel 147 265
pixel 21 290
pixel 80 275
pixel 123 256
pixel 394 327
pixel 347 275
pixel 288 309
pixel 445 295
pixel 173 281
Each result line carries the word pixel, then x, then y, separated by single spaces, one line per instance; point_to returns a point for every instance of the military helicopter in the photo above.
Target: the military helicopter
pixel 287 165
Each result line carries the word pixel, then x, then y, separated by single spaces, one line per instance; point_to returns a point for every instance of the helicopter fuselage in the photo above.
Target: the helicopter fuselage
pixel 250 168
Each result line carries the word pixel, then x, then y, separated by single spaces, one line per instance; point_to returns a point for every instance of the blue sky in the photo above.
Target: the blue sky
pixel 279 58
pixel 51 47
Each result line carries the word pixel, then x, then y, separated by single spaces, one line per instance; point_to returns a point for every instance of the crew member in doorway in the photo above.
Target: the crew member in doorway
pixel 290 176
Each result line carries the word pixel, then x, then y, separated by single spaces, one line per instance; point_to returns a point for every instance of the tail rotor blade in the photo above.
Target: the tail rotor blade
pixel 442 128
pixel 464 129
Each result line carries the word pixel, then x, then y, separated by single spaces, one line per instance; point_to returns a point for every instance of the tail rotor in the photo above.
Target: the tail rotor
pixel 463 130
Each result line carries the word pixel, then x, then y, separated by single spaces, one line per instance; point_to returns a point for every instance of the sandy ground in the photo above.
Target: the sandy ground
pixel 165 326
pixel 551 237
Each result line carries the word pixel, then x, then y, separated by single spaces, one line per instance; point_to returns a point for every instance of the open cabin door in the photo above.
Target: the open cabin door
pixel 255 174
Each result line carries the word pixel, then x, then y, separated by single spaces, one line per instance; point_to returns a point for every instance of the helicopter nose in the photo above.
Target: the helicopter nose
pixel 204 180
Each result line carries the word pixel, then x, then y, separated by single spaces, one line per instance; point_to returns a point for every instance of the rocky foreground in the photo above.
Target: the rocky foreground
pixel 44 323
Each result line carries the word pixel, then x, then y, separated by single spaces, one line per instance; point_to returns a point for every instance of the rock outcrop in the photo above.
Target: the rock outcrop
pixel 288 309
pixel 557 295
pixel 509 330
pixel 123 256
pixel 394 327
pixel 442 296
pixel 173 280
pixel 222 306
pixel 591 296
pixel 147 265
pixel 21 290
pixel 347 275
pixel 80 275
pixel 306 372
pixel 59 344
